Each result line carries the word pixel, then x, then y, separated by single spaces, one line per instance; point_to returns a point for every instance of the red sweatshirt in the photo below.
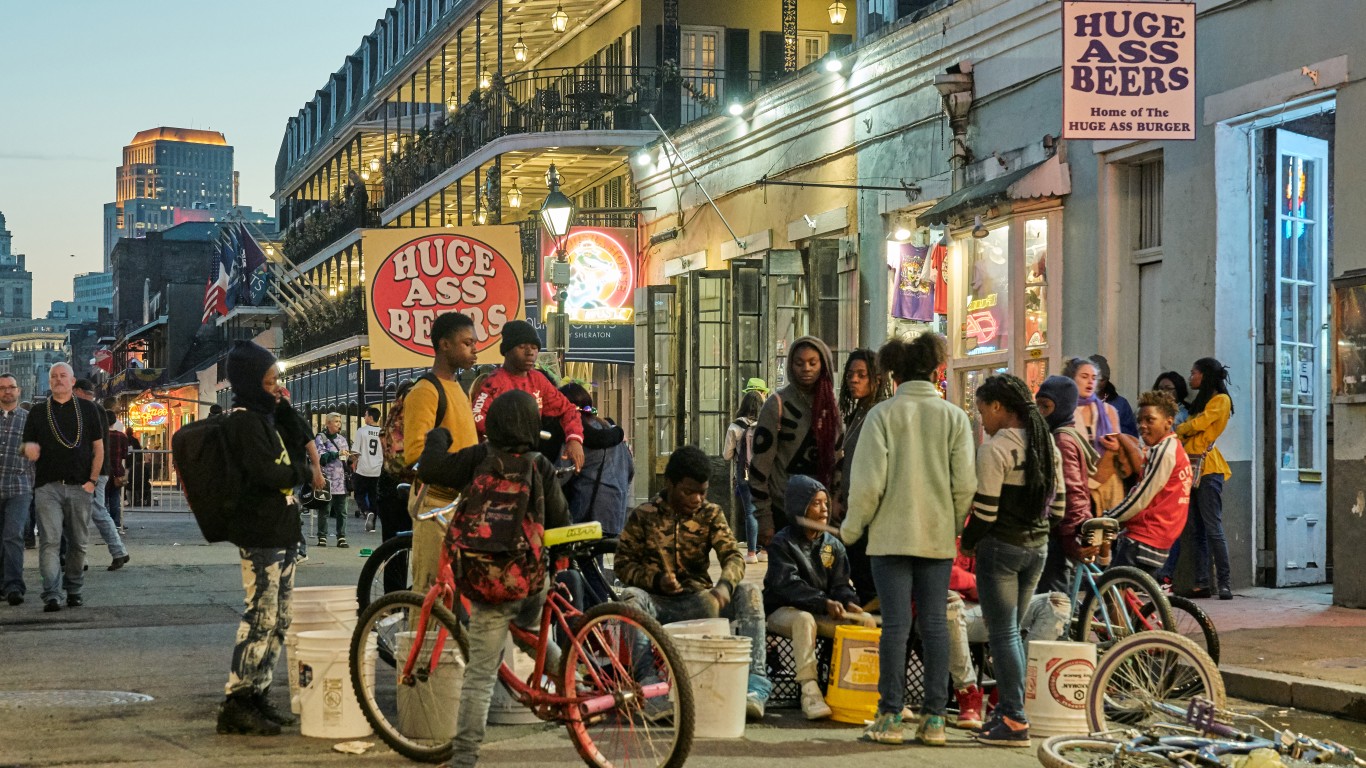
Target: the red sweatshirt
pixel 548 399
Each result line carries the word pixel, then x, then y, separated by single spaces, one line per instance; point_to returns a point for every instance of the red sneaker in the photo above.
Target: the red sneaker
pixel 969 708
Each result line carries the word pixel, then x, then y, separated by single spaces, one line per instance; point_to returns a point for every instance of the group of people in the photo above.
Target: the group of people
pixel 63 465
pixel 924 512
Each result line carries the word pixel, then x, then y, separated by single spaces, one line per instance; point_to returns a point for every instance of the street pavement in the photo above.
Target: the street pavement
pixel 163 627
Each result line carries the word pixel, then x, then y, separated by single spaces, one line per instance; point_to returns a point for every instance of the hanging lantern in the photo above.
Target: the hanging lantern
pixel 559 20
pixel 485 80
pixel 514 196
pixel 837 12
pixel 519 47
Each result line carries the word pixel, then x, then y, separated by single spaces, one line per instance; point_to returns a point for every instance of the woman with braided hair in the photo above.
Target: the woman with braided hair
pixel 862 387
pixel 1020 495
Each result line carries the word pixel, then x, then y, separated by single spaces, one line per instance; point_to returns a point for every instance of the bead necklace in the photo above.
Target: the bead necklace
pixel 57 432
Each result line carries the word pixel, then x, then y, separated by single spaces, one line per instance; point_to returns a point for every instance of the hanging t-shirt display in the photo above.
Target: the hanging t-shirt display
pixel 939 286
pixel 913 297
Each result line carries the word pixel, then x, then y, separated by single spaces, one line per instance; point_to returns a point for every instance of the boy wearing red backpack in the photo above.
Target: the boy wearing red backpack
pixel 510 497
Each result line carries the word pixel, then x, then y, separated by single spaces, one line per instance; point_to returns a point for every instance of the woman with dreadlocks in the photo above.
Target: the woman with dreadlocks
pixel 1020 494
pixel 862 387
pixel 1209 415
pixel 797 434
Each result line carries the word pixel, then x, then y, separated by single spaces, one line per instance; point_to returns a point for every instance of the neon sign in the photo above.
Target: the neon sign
pixel 981 326
pixel 149 414
pixel 602 276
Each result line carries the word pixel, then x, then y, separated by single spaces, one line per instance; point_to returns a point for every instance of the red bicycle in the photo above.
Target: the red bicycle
pixel 623 694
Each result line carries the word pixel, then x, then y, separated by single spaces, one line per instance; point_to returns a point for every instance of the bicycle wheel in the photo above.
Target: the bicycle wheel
pixel 1192 621
pixel 1115 609
pixel 1087 752
pixel 1146 670
pixel 386 570
pixel 635 705
pixel 416 715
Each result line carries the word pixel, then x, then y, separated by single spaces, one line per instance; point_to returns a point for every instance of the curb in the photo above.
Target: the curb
pixel 1281 690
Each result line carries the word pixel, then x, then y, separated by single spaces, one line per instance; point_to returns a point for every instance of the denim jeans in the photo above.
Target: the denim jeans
pixel 62 510
pixel 746 609
pixel 113 499
pixel 336 509
pixel 99 515
pixel 1045 619
pixel 15 512
pixel 1006 575
pixel 488 633
pixel 1207 512
pixel 746 505
pixel 268 580
pixel 902 580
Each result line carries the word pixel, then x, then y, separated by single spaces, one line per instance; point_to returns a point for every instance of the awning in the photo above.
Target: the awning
pixel 1050 178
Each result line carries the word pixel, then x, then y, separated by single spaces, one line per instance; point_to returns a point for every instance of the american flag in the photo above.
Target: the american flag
pixel 216 291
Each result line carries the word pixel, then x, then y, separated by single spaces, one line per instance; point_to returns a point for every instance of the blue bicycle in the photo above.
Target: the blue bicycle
pixel 1113 603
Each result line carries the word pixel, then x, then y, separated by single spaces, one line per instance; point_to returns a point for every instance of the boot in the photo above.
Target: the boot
pixel 239 714
pixel 969 708
pixel 267 709
pixel 813 703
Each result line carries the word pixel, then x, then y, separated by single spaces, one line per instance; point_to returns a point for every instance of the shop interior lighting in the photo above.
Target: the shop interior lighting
pixel 519 47
pixel 837 11
pixel 979 230
pixel 559 20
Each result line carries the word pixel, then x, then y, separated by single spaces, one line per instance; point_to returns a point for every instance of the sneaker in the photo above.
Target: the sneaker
pixel 14 598
pixel 931 731
pixel 322 541
pixel 300 559
pixel 369 522
pixel 885 729
pixel 51 606
pixel 1002 734
pixel 763 556
pixel 239 714
pixel 341 543
pixel 74 601
pixel 969 708
pixel 754 707
pixel 1225 593
pixel 1197 593
pixel 750 557
pixel 813 702
pixel 987 725
pixel 268 710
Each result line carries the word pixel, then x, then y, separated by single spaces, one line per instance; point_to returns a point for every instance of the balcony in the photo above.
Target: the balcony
pixel 339 318
pixel 564 99
pixel 327 223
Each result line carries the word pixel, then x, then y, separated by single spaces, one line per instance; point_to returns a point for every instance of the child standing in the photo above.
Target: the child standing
pixel 1154 511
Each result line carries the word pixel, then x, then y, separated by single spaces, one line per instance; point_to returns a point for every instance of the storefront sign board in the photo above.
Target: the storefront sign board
pixel 602 275
pixel 148 415
pixel 1128 70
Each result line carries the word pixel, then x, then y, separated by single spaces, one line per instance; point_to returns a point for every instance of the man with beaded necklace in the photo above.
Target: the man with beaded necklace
pixel 63 439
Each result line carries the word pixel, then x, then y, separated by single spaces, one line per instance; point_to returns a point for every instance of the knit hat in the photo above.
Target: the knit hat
pixel 1062 392
pixel 801 489
pixel 517 333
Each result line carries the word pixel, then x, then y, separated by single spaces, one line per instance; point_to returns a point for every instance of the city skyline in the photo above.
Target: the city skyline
pixel 56 173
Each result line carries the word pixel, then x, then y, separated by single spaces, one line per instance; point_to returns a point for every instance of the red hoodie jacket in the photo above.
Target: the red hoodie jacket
pixel 548 399
pixel 963 580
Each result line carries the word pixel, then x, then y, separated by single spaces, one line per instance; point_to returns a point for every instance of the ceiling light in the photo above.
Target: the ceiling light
pixel 481 216
pixel 559 20
pixel 514 196
pixel 833 64
pixel 902 234
pixel 374 165
pixel 736 109
pixel 837 11
pixel 519 47
pixel 485 80
pixel 365 174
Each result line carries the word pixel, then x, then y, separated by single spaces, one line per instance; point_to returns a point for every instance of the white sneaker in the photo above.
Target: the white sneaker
pixel 754 707
pixel 369 522
pixel 750 557
pixel 763 556
pixel 813 703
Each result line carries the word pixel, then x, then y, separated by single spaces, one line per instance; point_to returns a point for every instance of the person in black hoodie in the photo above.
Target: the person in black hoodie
pixel 268 439
pixel 513 426
pixel 807 588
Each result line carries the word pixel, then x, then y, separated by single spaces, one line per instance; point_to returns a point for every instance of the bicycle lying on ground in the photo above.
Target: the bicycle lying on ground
pixel 1143 678
pixel 1197 740
pixel 623 694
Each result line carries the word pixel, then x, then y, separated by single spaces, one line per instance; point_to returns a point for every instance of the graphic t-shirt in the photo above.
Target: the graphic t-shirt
pixel 365 441
pixel 914 298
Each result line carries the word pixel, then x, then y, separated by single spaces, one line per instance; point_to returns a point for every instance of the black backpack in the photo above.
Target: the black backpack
pixel 203 462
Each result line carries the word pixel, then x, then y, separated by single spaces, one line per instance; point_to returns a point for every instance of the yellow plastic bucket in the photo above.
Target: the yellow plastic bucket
pixel 852 694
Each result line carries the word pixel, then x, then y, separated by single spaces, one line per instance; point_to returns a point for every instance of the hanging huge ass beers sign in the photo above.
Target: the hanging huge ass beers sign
pixel 414 275
pixel 1128 70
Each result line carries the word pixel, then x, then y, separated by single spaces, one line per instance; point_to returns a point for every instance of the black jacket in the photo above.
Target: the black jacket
pixel 804 574
pixel 265 517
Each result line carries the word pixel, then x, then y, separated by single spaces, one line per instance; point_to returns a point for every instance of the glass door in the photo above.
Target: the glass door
pixel 747 320
pixel 708 400
pixel 1299 267
pixel 656 385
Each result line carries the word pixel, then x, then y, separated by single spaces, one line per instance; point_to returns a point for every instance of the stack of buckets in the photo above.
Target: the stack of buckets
pixel 1057 679
pixel 852 694
pixel 318 646
pixel 717 665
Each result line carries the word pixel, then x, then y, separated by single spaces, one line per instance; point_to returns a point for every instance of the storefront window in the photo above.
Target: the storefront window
pixel 971 380
pixel 1036 283
pixel 986 313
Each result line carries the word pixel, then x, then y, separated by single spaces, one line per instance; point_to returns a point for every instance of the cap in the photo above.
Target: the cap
pixel 756 385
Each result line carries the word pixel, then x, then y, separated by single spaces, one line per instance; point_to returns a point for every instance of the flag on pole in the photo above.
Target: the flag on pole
pixel 210 302
pixel 229 275
pixel 257 273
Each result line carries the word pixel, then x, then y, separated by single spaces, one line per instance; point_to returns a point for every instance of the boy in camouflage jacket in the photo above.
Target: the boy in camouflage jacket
pixel 663 555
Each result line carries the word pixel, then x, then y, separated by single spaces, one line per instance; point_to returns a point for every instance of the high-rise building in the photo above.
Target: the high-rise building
pixel 16 282
pixel 165 170
pixel 91 292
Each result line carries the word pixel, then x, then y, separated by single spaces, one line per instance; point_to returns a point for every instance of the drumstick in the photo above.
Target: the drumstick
pixel 807 522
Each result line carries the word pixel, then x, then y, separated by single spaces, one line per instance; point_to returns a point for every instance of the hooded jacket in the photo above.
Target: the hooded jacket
pixel 268 439
pixel 802 572
pixel 601 491
pixel 789 448
pixel 514 427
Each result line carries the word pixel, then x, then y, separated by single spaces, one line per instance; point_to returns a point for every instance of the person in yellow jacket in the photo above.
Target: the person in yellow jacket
pixel 1209 415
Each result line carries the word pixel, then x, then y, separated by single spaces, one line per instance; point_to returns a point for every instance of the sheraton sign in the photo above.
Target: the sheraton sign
pixel 1128 70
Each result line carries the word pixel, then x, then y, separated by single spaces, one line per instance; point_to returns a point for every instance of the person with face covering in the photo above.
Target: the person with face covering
pixel 1057 401
pixel 798 433
pixel 269 440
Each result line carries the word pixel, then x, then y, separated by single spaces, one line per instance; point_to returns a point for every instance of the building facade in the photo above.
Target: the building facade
pixel 166 170
pixel 32 348
pixel 91 292
pixel 16 282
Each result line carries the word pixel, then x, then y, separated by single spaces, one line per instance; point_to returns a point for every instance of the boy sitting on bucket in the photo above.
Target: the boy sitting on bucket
pixel 807 590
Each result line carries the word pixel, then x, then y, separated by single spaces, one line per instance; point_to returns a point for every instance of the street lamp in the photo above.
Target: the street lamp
pixel 556 215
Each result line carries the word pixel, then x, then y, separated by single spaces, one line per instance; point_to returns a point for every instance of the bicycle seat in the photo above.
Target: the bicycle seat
pixel 571 534
pixel 1106 525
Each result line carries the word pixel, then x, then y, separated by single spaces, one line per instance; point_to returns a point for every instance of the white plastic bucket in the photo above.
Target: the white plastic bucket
pixel 327 700
pixel 432 715
pixel 320 609
pixel 504 709
pixel 711 627
pixel 718 668
pixel 1057 679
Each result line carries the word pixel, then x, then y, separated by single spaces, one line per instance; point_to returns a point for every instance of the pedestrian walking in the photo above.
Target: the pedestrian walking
pixel 1020 495
pixel 862 387
pixel 1209 415
pixel 334 454
pixel 268 438
pixel 16 490
pixel 63 437
pixel 367 460
pixel 798 433
pixel 393 490
pixel 118 447
pixel 738 449
pixel 601 492
pixel 909 493
pixel 99 507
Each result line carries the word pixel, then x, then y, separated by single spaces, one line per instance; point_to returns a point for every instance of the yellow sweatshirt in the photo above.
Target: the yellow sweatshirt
pixel 1199 432
pixel 419 417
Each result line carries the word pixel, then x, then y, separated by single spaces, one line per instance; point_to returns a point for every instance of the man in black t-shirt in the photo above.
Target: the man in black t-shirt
pixel 64 440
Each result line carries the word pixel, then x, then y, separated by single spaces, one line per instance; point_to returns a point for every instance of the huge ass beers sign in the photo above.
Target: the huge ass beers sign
pixel 1128 70
pixel 414 275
